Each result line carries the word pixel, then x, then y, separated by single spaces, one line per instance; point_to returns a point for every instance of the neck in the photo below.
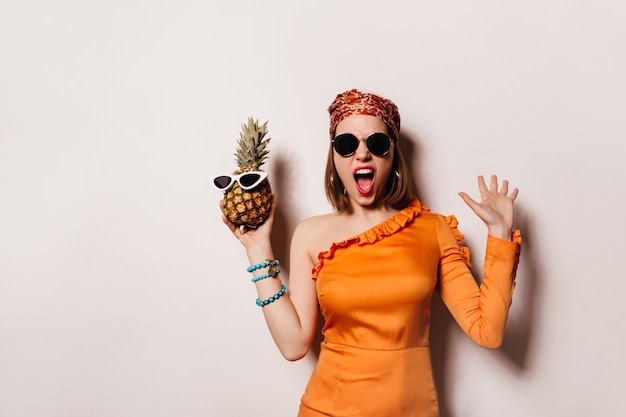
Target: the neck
pixel 373 211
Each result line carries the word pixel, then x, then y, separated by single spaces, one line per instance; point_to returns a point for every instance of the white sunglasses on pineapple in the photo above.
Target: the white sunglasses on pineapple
pixel 246 181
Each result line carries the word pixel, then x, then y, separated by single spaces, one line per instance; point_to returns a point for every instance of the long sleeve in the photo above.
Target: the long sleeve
pixel 481 311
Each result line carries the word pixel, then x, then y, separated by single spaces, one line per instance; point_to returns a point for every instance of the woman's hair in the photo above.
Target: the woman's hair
pixel 399 190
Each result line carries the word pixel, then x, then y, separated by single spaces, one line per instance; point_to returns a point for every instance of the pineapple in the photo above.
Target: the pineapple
pixel 249 207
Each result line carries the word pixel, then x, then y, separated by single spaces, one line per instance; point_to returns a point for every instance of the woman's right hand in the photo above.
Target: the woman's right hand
pixel 292 319
pixel 250 237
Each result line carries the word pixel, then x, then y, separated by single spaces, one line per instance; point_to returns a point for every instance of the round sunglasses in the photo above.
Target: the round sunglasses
pixel 378 144
pixel 246 181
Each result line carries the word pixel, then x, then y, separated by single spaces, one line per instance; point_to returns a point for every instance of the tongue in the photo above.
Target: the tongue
pixel 364 184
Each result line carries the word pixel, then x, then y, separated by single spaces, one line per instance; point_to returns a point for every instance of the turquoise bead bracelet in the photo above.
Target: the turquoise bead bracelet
pixel 272 298
pixel 252 268
pixel 272 273
pixel 268 262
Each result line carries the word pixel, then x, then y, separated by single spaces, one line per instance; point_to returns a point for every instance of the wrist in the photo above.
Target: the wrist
pixel 500 231
pixel 261 246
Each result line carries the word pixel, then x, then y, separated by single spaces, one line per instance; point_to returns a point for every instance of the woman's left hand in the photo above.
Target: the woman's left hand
pixel 495 207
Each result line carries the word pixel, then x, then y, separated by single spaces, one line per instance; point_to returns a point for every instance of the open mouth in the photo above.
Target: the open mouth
pixel 364 178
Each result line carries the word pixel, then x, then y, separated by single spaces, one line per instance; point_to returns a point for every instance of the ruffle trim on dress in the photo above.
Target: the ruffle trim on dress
pixel 517 238
pixel 453 223
pixel 387 228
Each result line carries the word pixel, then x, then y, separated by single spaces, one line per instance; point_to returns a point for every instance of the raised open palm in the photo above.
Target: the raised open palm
pixel 495 207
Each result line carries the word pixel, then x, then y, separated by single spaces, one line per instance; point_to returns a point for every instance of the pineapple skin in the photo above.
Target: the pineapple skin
pixel 248 208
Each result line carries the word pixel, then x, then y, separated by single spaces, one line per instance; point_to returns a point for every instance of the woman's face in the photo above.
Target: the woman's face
pixel 363 174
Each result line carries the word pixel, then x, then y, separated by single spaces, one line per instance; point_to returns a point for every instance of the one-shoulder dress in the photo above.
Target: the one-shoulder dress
pixel 374 292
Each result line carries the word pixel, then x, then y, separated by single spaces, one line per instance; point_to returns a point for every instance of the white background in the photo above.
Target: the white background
pixel 121 292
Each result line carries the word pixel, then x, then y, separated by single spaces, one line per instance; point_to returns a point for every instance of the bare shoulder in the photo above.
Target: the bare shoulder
pixel 316 234
pixel 315 227
pixel 315 223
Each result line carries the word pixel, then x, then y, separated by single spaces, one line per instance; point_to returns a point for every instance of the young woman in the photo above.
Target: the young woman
pixel 371 267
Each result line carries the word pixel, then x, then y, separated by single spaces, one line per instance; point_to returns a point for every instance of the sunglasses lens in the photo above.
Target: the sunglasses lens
pixel 378 144
pixel 249 180
pixel 222 182
pixel 345 144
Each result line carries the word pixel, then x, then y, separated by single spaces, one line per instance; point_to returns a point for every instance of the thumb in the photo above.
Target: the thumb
pixel 467 199
pixel 470 202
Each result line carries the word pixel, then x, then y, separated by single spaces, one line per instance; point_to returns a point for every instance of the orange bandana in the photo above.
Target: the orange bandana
pixel 353 102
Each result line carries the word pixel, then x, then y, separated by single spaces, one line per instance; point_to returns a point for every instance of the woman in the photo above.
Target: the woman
pixel 371 268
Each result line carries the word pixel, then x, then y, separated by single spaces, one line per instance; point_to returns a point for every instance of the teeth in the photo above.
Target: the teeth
pixel 364 171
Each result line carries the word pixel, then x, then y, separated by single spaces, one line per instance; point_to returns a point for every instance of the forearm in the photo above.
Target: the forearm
pixel 291 335
pixel 496 291
pixel 482 311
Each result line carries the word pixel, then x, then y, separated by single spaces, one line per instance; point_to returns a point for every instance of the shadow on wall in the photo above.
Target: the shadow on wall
pixel 518 333
pixel 284 226
pixel 284 223
pixel 519 330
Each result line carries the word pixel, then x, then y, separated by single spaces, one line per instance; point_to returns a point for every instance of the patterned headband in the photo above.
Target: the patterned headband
pixel 353 102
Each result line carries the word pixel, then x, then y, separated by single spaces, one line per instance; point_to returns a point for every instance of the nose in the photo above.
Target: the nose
pixel 362 152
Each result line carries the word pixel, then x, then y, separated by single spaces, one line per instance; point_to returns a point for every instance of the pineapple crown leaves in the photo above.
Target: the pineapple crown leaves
pixel 251 145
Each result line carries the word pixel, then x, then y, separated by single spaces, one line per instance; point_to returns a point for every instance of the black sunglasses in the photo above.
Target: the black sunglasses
pixel 247 180
pixel 378 144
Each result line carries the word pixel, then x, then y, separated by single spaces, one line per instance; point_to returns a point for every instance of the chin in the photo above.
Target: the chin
pixel 370 200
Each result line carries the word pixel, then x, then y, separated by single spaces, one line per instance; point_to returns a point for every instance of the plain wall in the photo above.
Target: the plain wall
pixel 122 293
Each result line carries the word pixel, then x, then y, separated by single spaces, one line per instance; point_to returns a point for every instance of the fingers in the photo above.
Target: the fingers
pixel 493 187
pixel 505 188
pixel 482 186
pixel 237 231
pixel 231 225
pixel 468 200
pixel 228 223
pixel 240 230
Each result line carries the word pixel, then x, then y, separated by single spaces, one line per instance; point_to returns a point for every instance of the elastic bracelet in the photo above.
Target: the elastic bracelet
pixel 272 298
pixel 272 273
pixel 268 262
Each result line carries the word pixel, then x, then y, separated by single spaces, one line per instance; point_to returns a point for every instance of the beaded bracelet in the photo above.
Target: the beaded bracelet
pixel 268 262
pixel 273 273
pixel 272 298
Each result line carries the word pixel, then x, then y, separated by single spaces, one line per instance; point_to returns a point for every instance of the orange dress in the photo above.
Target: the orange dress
pixel 375 290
